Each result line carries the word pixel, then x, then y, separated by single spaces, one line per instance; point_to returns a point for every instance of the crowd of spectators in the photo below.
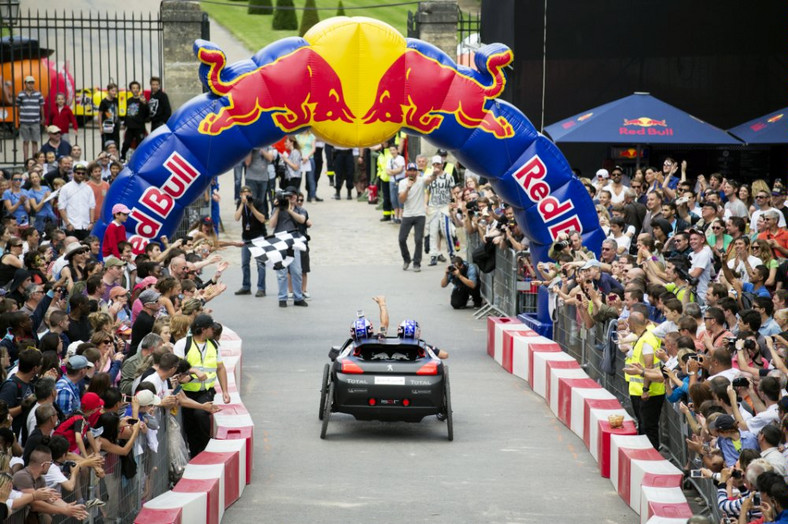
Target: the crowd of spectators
pixel 693 281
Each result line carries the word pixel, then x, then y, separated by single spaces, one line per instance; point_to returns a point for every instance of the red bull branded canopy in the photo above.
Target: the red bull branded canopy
pixel 638 119
pixel 771 128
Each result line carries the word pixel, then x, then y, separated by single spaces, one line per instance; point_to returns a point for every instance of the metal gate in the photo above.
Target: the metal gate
pixel 77 54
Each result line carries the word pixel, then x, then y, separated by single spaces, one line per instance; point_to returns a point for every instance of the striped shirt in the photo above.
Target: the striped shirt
pixel 29 107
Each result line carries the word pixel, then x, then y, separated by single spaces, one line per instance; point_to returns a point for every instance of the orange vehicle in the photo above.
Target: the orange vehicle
pixel 25 57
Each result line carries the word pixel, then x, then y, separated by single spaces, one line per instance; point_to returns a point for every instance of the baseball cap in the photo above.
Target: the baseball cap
pixel 291 189
pixel 602 173
pixel 437 160
pixel 78 362
pixel 113 261
pixel 202 321
pixel 591 263
pixel 109 143
pixel 149 296
pixel 412 167
pixel 147 398
pixel 145 282
pixel 91 401
pixel 206 221
pixel 81 166
pixel 778 191
pixel 442 152
pixel 53 129
pixel 723 423
pixel 120 208
pixel 116 292
pixel 29 78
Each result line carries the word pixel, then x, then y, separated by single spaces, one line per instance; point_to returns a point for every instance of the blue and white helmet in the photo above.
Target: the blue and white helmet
pixel 409 329
pixel 361 329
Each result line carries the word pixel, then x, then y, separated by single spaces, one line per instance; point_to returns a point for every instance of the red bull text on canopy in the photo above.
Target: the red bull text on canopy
pixel 355 82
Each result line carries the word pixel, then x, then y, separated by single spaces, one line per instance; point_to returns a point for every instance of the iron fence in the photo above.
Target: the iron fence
pixel 468 37
pixel 77 54
pixel 123 497
pixel 597 352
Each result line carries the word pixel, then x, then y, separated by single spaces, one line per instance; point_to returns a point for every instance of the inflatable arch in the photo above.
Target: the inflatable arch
pixel 355 82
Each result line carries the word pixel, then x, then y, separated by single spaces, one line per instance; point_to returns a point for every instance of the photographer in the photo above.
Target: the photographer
pixel 251 213
pixel 286 218
pixel 465 279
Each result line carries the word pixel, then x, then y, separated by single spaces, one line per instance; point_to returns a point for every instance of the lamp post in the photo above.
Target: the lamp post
pixel 9 16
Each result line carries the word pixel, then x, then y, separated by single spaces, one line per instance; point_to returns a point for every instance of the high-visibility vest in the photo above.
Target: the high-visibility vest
pixel 383 160
pixel 635 381
pixel 207 366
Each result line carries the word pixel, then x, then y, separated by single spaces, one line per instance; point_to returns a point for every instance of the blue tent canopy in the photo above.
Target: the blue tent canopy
pixel 771 128
pixel 637 119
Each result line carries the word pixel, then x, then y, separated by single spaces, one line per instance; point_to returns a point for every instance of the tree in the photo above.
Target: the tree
pixel 260 7
pixel 309 18
pixel 285 16
pixel 341 9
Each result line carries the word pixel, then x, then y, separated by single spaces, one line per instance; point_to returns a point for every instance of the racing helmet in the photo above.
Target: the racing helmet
pixel 409 329
pixel 361 328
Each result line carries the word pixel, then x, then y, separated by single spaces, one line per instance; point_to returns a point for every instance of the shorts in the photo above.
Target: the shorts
pixel 30 132
pixel 305 261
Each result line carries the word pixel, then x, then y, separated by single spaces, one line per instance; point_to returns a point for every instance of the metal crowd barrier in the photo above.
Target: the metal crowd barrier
pixel 588 347
pixel 123 497
pixel 505 290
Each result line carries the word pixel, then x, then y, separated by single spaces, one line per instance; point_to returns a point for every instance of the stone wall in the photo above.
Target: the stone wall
pixel 182 25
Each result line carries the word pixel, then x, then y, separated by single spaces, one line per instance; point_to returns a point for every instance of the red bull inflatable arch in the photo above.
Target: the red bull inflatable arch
pixel 354 82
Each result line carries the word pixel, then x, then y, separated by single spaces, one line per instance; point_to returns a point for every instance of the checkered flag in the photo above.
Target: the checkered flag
pixel 277 251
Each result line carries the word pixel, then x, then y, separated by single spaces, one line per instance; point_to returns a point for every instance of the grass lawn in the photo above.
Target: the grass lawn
pixel 255 30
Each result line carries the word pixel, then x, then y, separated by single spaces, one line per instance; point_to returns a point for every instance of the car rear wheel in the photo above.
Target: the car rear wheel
pixel 324 390
pixel 447 403
pixel 327 410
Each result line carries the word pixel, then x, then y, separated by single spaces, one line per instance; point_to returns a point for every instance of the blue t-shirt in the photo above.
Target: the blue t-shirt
pixel 38 195
pixel 748 287
pixel 20 214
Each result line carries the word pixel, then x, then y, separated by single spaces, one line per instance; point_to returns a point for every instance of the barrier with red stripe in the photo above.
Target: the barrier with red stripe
pixel 215 478
pixel 647 482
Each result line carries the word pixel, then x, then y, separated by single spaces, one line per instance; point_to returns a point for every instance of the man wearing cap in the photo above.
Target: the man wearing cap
pixel 116 231
pixel 56 143
pixel 145 319
pixel 31 113
pixel 76 203
pixel 411 196
pixel 251 213
pixel 730 440
pixel 113 274
pixel 203 354
pixel 68 393
pixel 439 185
pixel 448 167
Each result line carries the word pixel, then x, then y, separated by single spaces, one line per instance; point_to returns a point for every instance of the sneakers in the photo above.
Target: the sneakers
pixel 405 266
pixel 301 303
pixel 441 417
pixel 283 303
pixel 243 291
pixel 306 295
pixel 416 269
pixel 337 197
pixel 318 199
pixel 94 503
pixel 386 219
pixel 349 196
pixel 433 261
pixel 289 294
pixel 260 293
pixel 441 258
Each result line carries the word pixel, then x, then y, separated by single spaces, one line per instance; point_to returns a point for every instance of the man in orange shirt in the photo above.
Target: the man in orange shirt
pixel 776 236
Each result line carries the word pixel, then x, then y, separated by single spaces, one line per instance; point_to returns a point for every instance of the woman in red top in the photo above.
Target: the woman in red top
pixel 115 231
pixel 61 115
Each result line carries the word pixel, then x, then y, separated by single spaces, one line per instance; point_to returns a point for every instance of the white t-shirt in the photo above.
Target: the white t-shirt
pixel 616 198
pixel 78 201
pixel 623 241
pixel 765 417
pixel 414 205
pixel 741 270
pixel 54 477
pixel 162 386
pixel 702 259
pixel 397 164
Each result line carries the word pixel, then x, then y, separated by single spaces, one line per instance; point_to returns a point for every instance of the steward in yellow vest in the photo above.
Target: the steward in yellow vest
pixel 203 355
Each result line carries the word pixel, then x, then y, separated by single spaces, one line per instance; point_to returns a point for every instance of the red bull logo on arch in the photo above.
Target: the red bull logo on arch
pixel 355 82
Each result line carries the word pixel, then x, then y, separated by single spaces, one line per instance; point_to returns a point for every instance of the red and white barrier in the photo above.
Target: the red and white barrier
pixel 663 503
pixel 647 482
pixel 495 328
pixel 215 478
pixel 507 351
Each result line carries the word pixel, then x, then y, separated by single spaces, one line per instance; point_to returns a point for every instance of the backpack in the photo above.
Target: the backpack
pixel 747 299
pixel 26 403
pixel 280 169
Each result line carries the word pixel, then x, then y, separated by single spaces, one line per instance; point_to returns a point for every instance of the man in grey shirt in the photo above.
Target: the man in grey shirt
pixel 734 205
pixel 260 175
pixel 411 196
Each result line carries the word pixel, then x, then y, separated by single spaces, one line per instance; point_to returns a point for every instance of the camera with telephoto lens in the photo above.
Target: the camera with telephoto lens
pixel 561 244
pixel 451 268
pixel 748 344
pixel 740 382
pixel 472 207
pixel 282 198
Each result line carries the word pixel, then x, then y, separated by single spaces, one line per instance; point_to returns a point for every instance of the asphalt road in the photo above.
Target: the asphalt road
pixel 511 460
